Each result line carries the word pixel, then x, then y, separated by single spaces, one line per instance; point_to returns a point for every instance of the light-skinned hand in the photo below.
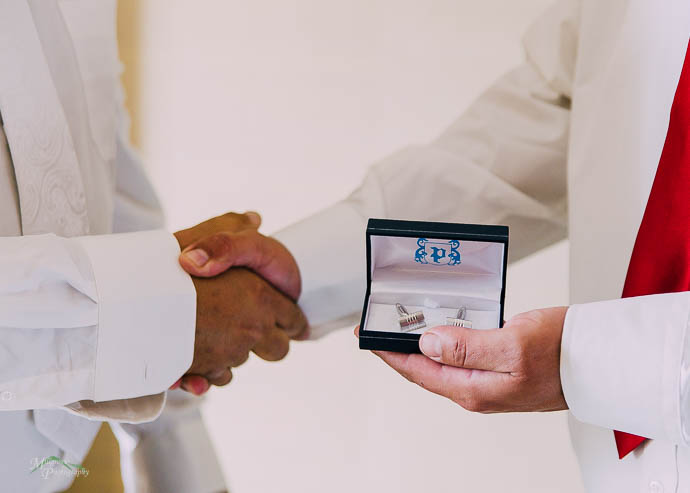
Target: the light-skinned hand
pixel 513 369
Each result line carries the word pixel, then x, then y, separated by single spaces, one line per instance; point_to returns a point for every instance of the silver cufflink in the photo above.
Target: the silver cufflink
pixel 459 320
pixel 410 321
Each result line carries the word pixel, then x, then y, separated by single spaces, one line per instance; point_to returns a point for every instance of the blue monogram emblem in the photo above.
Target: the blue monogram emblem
pixel 437 252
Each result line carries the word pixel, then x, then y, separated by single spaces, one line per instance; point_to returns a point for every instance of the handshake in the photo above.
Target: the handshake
pixel 247 286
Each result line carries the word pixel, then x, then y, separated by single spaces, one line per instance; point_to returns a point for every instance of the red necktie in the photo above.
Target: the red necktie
pixel 665 227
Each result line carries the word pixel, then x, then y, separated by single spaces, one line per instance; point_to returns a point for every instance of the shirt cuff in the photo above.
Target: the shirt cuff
pixel 329 248
pixel 146 313
pixel 621 363
pixel 134 410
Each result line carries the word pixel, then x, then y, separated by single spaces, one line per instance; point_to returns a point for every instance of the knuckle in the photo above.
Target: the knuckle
pixel 254 333
pixel 266 295
pixel 536 316
pixel 226 379
pixel 300 329
pixel 238 359
pixel 233 216
pixel 242 343
pixel 218 377
pixel 518 350
pixel 243 218
pixel 279 349
pixel 521 383
pixel 295 324
pixel 458 352
pixel 221 243
pixel 532 316
pixel 235 221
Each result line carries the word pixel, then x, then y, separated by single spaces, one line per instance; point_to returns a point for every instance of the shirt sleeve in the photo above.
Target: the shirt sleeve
pixel 625 365
pixel 502 162
pixel 155 451
pixel 155 448
pixel 137 207
pixel 92 318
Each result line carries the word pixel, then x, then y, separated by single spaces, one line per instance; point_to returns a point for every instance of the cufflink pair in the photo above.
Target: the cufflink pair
pixel 414 321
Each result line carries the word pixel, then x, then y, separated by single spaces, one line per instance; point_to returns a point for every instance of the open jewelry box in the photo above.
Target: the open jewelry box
pixel 422 274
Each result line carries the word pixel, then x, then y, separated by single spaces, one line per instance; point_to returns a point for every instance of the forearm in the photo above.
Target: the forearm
pixel 136 205
pixel 497 164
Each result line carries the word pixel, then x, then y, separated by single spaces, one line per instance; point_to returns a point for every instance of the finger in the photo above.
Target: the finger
pixel 289 317
pixel 267 257
pixel 239 358
pixel 195 384
pixel 220 377
pixel 469 388
pixel 176 385
pixel 419 369
pixel 284 313
pixel 274 346
pixel 470 348
pixel 254 218
pixel 230 221
pixel 305 335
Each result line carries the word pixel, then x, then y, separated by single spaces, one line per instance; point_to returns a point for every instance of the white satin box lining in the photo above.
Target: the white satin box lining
pixel 437 290
pixel 384 317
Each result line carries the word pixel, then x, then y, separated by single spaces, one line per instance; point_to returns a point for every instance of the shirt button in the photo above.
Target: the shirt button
pixel 656 487
pixel 6 396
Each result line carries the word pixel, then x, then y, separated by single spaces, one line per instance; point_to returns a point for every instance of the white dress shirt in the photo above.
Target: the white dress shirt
pixel 93 325
pixel 566 144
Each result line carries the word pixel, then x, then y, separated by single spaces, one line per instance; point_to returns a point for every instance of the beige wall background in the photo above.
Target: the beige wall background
pixel 280 106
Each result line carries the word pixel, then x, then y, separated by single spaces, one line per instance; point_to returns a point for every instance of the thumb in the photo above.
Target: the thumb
pixel 266 256
pixel 254 218
pixel 468 348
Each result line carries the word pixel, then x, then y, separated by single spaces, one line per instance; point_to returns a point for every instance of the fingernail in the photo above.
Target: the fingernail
pixel 197 256
pixel 176 384
pixel 430 344
pixel 253 217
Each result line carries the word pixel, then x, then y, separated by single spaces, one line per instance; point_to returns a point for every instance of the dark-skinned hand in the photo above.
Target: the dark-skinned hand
pixel 241 310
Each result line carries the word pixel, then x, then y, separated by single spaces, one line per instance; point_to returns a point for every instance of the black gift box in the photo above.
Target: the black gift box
pixel 435 269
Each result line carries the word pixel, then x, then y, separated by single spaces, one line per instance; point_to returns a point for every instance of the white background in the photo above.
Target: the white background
pixel 280 106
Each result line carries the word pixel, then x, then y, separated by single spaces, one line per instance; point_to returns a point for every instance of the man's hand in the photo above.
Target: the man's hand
pixel 230 222
pixel 218 252
pixel 238 311
pixel 513 369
